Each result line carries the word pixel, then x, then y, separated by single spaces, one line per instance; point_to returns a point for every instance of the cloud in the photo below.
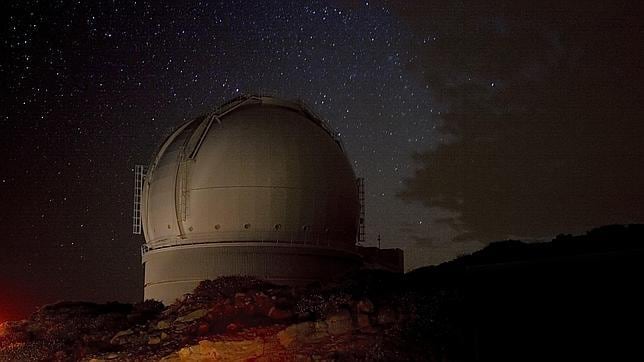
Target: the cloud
pixel 544 110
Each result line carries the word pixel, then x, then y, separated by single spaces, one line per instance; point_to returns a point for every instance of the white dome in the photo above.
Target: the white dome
pixel 262 170
pixel 259 187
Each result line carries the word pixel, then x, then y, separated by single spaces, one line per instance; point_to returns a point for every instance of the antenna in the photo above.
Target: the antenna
pixel 361 232
pixel 139 175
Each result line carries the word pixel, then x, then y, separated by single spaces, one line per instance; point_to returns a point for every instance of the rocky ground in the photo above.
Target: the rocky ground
pixel 575 298
pixel 370 315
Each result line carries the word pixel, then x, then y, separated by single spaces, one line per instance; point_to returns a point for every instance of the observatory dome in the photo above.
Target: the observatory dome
pixel 259 187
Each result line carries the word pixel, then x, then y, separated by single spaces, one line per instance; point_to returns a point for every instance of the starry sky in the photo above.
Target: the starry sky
pixel 470 121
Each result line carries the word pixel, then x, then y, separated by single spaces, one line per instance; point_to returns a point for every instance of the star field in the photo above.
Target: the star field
pixel 92 88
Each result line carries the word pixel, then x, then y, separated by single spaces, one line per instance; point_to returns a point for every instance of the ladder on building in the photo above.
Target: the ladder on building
pixel 361 231
pixel 139 177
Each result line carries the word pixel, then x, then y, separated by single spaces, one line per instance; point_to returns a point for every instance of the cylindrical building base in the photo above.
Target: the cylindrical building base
pixel 173 271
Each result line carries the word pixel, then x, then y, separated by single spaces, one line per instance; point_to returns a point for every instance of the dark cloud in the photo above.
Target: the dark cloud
pixel 544 111
pixel 416 238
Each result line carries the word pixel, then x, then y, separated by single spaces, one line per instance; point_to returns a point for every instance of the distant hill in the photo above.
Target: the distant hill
pixel 603 241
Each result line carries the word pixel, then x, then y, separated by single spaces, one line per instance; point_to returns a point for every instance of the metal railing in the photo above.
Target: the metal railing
pixel 139 177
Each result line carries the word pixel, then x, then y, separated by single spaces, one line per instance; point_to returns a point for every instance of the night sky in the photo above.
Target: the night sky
pixel 471 121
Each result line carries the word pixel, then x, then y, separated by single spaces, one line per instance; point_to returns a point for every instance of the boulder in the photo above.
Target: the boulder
pixel 219 351
pixel 119 337
pixel 203 329
pixel 154 340
pixel 289 335
pixel 306 332
pixel 276 313
pixel 240 298
pixel 162 325
pixel 386 316
pixel 365 306
pixel 263 302
pixel 363 321
pixel 192 316
pixel 339 323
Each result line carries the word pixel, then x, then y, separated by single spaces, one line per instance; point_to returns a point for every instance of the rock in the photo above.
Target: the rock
pixel 5 328
pixel 235 326
pixel 239 298
pixel 363 321
pixel 199 313
pixel 302 358
pixel 118 337
pixel 173 357
pixel 386 316
pixel 179 328
pixel 249 309
pixel 321 326
pixel 306 332
pixel 203 329
pixel 34 329
pixel 182 299
pixel 276 313
pixel 365 306
pixel 154 340
pixel 289 335
pixel 162 325
pixel 215 351
pixel 228 311
pixel 339 323
pixel 263 302
pixel 211 316
pixel 109 357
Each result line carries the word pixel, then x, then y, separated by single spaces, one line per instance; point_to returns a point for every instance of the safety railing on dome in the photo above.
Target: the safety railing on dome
pixel 139 177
